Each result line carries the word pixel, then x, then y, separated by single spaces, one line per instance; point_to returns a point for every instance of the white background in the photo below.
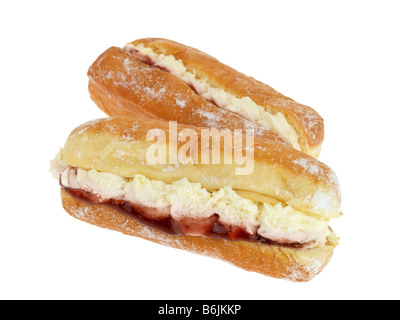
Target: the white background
pixel 340 57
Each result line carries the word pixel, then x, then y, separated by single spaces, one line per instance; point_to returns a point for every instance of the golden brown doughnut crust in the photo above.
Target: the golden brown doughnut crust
pixel 307 122
pixel 121 84
pixel 274 261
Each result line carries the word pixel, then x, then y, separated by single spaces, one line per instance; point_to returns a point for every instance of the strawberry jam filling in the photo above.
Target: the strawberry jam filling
pixel 208 227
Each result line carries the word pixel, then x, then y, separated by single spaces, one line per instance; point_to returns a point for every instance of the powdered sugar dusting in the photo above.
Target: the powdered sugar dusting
pixel 211 118
pixel 181 103
pixel 333 178
pixel 309 165
pixel 127 137
pixel 155 93
pixel 84 213
pixel 305 271
pixel 135 126
pixel 83 128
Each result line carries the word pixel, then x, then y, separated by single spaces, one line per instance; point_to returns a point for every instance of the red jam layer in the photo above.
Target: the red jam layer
pixel 210 227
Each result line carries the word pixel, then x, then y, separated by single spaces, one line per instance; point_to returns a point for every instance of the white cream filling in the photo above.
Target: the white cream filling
pixel 182 199
pixel 244 107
